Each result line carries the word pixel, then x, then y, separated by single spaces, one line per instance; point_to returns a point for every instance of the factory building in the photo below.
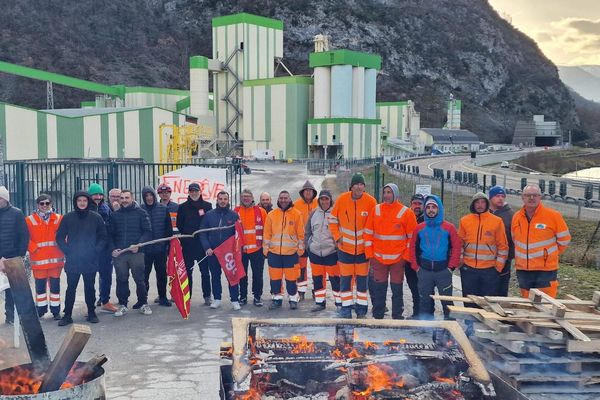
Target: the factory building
pixel 537 132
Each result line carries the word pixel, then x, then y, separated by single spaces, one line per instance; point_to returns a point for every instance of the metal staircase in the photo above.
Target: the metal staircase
pixel 232 143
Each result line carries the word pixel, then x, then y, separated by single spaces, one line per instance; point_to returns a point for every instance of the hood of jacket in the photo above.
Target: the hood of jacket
pixel 394 188
pixel 145 191
pixel 477 196
pixel 439 218
pixel 308 185
pixel 326 193
pixel 82 194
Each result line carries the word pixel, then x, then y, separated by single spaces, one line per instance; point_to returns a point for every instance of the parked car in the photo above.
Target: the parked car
pixel 504 164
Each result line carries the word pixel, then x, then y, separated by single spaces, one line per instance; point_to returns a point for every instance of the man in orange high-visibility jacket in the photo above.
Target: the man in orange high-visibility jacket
pixel 387 238
pixel 485 249
pixel 253 220
pixel 306 204
pixel 47 261
pixel 283 242
pixel 347 223
pixel 540 235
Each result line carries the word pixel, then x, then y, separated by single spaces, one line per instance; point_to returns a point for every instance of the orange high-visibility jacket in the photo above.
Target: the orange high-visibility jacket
pixel 284 232
pixel 388 232
pixel 539 242
pixel 484 240
pixel 348 219
pixel 43 250
pixel 305 208
pixel 253 221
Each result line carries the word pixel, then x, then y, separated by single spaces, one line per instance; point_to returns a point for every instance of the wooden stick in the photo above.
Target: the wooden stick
pixel 558 309
pixel 168 239
pixel 88 370
pixel 71 348
pixel 30 323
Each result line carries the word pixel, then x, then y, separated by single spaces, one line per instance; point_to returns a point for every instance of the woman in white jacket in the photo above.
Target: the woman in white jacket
pixel 322 252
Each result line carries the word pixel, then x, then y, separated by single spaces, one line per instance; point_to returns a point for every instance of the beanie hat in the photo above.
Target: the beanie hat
pixel 431 200
pixel 496 190
pixel 477 196
pixel 95 188
pixel 357 178
pixel 4 193
pixel 418 197
pixel 394 188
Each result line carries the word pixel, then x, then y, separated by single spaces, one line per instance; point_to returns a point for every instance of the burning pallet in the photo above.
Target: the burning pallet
pixel 538 344
pixel 44 376
pixel 362 359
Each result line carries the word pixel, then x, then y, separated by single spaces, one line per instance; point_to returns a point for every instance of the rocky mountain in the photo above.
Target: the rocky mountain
pixel 430 48
pixel 584 79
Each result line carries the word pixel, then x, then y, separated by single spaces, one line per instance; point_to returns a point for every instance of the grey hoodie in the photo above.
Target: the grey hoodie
pixel 317 236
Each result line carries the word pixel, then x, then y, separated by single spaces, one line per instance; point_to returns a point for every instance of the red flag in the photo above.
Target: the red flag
pixel 178 279
pixel 229 254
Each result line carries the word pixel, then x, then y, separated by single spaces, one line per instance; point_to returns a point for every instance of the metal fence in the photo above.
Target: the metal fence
pixel 25 180
pixel 324 167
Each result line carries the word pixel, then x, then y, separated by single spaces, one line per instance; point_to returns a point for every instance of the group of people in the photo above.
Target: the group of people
pixel 360 246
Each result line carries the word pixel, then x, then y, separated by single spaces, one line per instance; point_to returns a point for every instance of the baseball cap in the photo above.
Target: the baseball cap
pixel 163 188
pixel 194 186
pixel 418 197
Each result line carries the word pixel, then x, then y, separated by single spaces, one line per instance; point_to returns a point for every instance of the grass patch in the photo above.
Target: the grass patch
pixel 560 162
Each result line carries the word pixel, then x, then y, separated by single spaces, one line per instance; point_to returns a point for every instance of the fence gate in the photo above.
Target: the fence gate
pixel 25 180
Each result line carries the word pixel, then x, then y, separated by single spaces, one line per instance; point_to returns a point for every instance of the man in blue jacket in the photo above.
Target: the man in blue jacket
pixel 220 216
pixel 156 254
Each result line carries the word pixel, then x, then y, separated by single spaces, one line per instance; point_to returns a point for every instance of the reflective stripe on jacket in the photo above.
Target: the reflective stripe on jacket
pixel 284 232
pixel 483 240
pixel 253 220
pixel 388 232
pixel 43 249
pixel 539 242
pixel 348 220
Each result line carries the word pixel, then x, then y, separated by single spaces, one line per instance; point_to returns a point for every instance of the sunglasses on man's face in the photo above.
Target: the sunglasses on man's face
pixel 44 203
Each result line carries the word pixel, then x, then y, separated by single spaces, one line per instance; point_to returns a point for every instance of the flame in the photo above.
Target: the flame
pixel 394 342
pixel 370 345
pixel 20 380
pixel 337 354
pixel 301 345
pixel 252 394
pixel 380 377
pixel 353 354
pixel 437 376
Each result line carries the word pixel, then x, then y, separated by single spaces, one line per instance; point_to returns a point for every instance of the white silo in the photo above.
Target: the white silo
pixel 341 91
pixel 370 91
pixel 322 88
pixel 199 85
pixel 358 92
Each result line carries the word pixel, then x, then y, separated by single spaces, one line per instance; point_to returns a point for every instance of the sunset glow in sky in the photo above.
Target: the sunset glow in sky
pixel 567 31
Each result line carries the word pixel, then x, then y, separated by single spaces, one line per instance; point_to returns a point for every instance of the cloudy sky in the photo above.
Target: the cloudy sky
pixel 567 31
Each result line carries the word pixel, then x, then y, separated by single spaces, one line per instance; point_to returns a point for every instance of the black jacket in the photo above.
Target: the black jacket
pixel 14 235
pixel 506 213
pixel 189 217
pixel 129 226
pixel 220 216
pixel 160 221
pixel 81 236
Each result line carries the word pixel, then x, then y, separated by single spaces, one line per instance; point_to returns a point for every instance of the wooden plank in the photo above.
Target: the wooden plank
pixel 71 348
pixel 493 335
pixel 30 322
pixel 591 346
pixel 576 333
pixel 558 309
pixel 517 300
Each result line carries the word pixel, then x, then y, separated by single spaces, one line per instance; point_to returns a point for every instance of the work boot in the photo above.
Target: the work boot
pixel 293 305
pixel 92 318
pixel 318 307
pixel 275 304
pixel 346 312
pixel 163 301
pixel 66 320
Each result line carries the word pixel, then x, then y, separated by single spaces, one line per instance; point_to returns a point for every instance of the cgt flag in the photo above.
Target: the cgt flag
pixel 229 254
pixel 178 279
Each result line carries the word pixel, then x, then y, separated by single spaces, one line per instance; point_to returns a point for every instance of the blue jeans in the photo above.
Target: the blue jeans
pixel 215 281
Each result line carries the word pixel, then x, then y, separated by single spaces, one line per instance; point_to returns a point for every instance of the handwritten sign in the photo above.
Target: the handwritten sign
pixel 211 181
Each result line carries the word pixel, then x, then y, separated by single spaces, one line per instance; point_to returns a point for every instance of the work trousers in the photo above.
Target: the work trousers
pixel 353 268
pixel 320 274
pixel 215 280
pixel 478 282
pixel 193 252
pixel 413 285
pixel 105 272
pixel 43 299
pixel 504 279
pixel 303 278
pixel 428 281
pixel 159 260
pixel 256 261
pixel 89 280
pixel 135 263
pixel 546 281
pixel 283 267
pixel 379 276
